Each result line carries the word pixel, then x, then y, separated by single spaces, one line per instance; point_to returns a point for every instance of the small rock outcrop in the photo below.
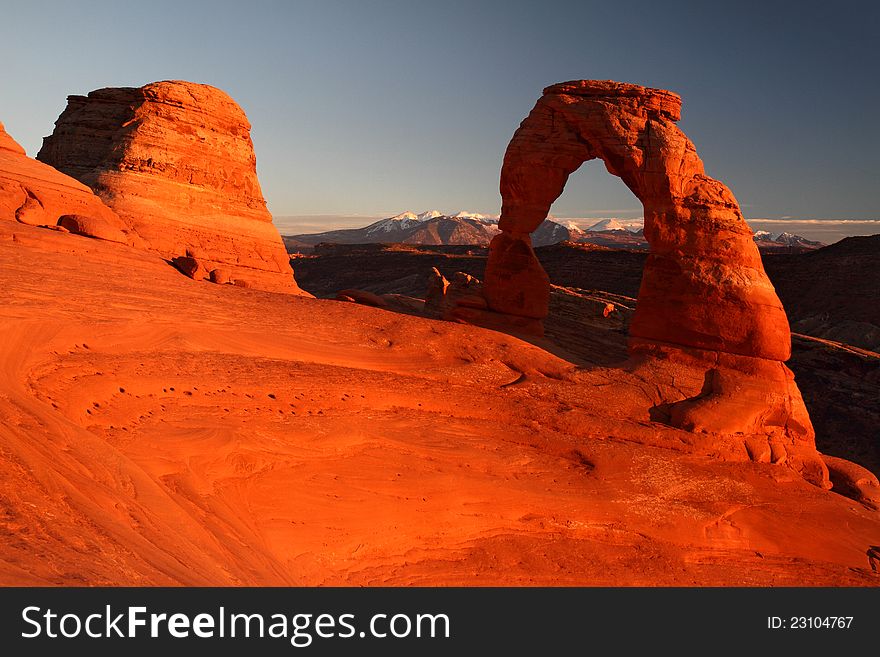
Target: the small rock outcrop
pixel 221 276
pixel 447 299
pixel 34 193
pixel 705 300
pixel 95 227
pixel 191 267
pixel 854 481
pixel 176 162
pixel 363 297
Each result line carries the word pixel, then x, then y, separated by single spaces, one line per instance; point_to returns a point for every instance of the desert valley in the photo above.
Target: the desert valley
pixel 475 402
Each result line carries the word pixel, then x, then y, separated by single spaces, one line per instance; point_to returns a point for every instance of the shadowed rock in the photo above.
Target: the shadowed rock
pixel 191 267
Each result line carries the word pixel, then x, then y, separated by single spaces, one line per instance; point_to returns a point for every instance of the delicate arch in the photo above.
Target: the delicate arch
pixel 704 285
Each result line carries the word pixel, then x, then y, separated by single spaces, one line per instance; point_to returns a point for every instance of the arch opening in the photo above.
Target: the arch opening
pixel 606 196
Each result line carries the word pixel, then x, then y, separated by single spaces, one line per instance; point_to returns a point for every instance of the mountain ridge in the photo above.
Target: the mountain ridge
pixel 468 228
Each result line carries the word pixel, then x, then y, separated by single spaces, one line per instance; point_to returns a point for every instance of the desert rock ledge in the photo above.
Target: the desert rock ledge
pixel 176 162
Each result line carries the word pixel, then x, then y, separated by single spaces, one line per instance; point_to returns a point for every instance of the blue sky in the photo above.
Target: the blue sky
pixel 370 108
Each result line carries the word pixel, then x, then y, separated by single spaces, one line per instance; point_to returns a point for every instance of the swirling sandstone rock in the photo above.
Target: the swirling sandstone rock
pixel 175 160
pixel 36 194
pixel 704 298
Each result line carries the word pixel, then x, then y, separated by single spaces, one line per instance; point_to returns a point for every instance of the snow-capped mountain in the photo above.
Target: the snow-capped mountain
pixel 435 228
pixel 783 242
pixel 606 224
pixel 430 214
pixel 400 222
pixel 464 227
pixel 552 232
pixel 431 227
pixel 485 218
pixel 404 216
pixel 780 238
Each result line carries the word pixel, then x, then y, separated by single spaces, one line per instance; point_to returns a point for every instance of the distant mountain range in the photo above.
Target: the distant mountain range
pixel 431 227
pixel 784 242
pixel 468 228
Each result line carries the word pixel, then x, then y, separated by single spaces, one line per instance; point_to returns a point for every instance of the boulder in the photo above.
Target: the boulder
pixel 221 276
pixel 191 267
pixel 362 297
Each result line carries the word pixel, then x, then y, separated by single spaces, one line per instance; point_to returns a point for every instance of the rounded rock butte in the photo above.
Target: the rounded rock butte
pixel 705 301
pixel 175 161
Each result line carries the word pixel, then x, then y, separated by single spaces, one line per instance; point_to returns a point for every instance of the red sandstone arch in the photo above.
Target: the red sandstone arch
pixel 705 299
pixel 704 285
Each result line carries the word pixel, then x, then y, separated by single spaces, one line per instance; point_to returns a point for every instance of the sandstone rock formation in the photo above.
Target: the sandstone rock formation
pixel 175 160
pixel 159 432
pixel 363 297
pixel 704 297
pixel 94 227
pixel 840 385
pixel 36 194
pixel 221 276
pixel 7 143
pixel 191 267
pixel 435 295
pixel 854 481
pixel 444 298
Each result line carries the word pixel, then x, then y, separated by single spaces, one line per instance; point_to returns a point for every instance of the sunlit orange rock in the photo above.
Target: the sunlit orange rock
pixel 7 143
pixel 703 288
pixel 159 431
pixel 36 194
pixel 175 160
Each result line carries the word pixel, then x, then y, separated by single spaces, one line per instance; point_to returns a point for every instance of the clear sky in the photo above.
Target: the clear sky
pixel 371 108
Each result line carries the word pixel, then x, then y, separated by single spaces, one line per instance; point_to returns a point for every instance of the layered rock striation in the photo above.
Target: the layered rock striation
pixel 705 302
pixel 36 194
pixel 176 162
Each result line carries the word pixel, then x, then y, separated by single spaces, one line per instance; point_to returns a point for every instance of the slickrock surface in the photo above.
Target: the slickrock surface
pixel 175 160
pixel 158 430
pixel 840 384
pixel 704 300
pixel 36 194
